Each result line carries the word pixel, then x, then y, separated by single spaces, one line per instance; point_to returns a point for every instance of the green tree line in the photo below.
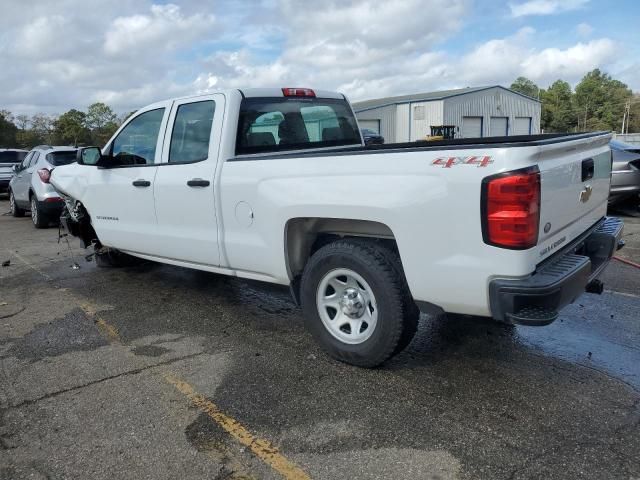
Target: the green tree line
pixel 74 127
pixel 597 103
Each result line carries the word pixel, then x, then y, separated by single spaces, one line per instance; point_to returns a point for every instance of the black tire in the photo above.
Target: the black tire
pixel 38 217
pixel 15 210
pixel 112 258
pixel 397 313
pixel 412 314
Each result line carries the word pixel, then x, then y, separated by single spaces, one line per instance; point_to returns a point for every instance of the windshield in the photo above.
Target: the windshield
pixel 61 158
pixel 12 156
pixel 279 124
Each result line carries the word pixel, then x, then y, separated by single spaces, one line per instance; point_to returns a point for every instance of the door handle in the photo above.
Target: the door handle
pixel 141 183
pixel 198 182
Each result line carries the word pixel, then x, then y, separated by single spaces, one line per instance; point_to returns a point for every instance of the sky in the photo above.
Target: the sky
pixel 62 54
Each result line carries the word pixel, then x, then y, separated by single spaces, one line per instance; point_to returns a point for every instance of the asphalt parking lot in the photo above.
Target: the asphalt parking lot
pixel 161 372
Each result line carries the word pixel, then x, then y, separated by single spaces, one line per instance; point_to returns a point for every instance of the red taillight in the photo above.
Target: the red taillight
pixel 44 174
pixel 511 209
pixel 298 92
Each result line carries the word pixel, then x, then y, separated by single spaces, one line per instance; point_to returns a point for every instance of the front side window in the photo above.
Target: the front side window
pixel 287 123
pixel 136 143
pixel 26 160
pixel 191 132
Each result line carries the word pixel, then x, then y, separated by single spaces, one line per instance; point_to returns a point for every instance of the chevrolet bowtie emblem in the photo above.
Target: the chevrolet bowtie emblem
pixel 585 194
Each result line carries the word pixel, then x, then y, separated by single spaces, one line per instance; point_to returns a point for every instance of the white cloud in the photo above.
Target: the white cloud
pixel 584 29
pixel 570 63
pixel 545 7
pixel 165 28
pixel 69 53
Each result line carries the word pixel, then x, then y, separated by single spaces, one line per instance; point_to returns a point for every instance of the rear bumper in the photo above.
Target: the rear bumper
pixel 537 299
pixel 52 208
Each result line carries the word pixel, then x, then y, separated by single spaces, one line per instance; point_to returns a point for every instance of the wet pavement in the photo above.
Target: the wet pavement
pixel 162 372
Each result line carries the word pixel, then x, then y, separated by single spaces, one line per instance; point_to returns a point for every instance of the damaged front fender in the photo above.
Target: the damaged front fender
pixel 70 181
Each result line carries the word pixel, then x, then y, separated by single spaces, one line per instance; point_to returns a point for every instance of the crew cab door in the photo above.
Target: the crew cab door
pixel 120 198
pixel 185 189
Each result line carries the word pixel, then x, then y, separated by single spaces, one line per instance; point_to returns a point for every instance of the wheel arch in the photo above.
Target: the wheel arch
pixel 303 236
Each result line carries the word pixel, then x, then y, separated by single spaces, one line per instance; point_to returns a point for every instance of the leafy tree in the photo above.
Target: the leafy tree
pixel 70 128
pixel 8 130
pixel 634 115
pixel 600 101
pixel 42 127
pixel 558 114
pixel 22 122
pixel 102 122
pixel 526 87
pixel 123 118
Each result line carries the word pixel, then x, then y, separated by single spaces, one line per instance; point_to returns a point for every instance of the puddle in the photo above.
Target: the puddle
pixel 73 332
pixel 599 332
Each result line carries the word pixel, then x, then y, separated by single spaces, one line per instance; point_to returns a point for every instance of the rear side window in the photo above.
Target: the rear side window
pixel 12 157
pixel 34 159
pixel 61 158
pixel 280 124
pixel 191 132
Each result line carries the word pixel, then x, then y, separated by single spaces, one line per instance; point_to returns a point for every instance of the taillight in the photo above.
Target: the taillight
pixel 44 174
pixel 511 209
pixel 298 92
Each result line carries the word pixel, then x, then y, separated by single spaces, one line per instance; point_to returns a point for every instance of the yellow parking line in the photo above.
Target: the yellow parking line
pixel 263 449
pixel 107 330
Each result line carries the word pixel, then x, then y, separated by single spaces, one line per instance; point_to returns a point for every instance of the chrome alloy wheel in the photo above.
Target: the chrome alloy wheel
pixel 347 306
pixel 34 210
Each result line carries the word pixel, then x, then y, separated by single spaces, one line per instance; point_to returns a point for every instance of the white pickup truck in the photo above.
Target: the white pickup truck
pixel 276 185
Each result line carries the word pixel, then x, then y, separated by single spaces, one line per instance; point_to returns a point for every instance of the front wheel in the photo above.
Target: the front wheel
pixel 15 210
pixel 356 302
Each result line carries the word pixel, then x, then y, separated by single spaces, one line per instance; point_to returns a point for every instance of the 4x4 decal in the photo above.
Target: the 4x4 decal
pixel 448 162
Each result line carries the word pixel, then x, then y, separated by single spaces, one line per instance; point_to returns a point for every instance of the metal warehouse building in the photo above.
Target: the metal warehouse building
pixel 476 112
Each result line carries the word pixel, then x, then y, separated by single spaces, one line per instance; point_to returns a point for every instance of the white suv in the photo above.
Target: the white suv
pixel 30 189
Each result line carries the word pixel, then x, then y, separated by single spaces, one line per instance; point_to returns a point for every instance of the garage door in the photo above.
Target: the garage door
pixel 522 126
pixel 471 127
pixel 370 124
pixel 498 126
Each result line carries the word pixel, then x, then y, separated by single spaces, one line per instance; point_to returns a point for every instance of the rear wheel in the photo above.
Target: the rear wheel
pixel 15 210
pixel 38 217
pixel 356 302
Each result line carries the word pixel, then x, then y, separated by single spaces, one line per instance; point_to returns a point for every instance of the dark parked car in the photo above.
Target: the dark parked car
pixel 371 137
pixel 8 158
pixel 625 174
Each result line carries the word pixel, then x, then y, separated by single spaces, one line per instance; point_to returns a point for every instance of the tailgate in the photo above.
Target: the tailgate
pixel 575 177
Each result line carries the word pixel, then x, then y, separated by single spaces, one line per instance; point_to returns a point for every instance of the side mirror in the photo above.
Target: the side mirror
pixel 15 168
pixel 88 156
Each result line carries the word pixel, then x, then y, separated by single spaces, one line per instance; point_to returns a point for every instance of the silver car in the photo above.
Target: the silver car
pixel 625 173
pixel 30 189
pixel 9 157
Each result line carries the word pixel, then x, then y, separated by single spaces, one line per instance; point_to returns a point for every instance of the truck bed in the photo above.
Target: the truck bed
pixel 457 143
